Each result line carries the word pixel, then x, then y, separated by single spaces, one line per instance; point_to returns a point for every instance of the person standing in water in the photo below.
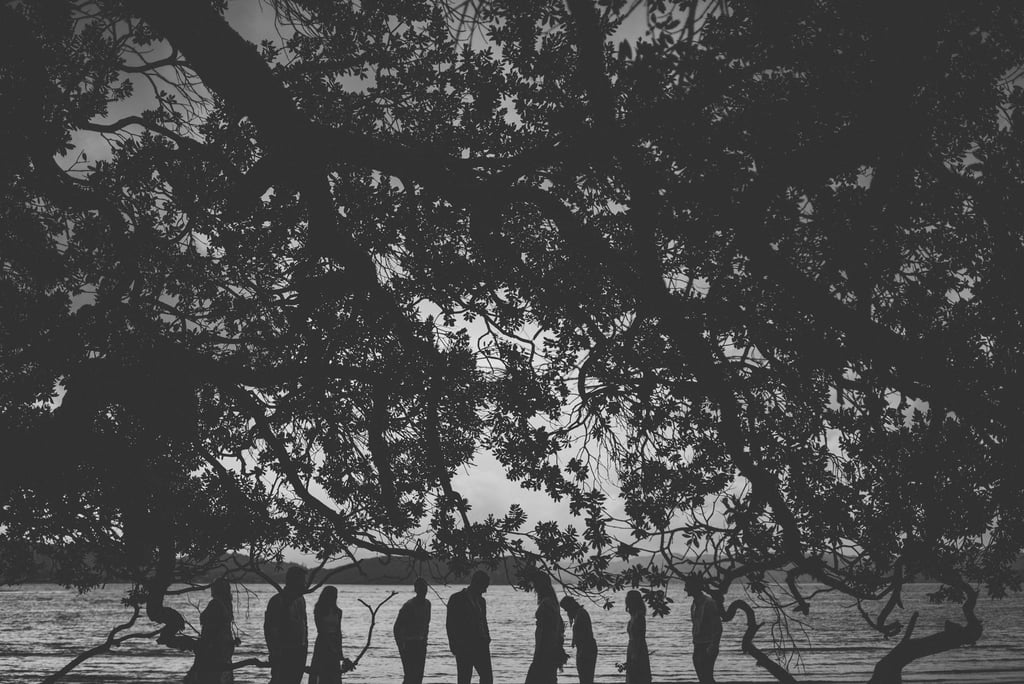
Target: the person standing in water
pixel 284 627
pixel 216 641
pixel 549 639
pixel 411 629
pixel 582 639
pixel 468 635
pixel 638 660
pixel 707 629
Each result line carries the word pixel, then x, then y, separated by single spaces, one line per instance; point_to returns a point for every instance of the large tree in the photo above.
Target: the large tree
pixel 749 268
pixel 189 370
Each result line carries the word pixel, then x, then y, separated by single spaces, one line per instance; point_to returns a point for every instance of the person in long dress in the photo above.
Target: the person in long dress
pixel 216 640
pixel 329 660
pixel 549 639
pixel 638 661
pixel 582 639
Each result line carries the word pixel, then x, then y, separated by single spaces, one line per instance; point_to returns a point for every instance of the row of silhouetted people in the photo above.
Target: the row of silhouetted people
pixel 469 637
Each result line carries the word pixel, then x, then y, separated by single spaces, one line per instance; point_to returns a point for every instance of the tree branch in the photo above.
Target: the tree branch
pixel 280 453
pixel 780 673
pixel 373 622
pixel 591 65
pixel 121 124
pixel 889 669
pixel 112 641
pixel 169 61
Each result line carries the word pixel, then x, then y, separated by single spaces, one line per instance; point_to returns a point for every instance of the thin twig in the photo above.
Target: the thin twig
pixel 373 621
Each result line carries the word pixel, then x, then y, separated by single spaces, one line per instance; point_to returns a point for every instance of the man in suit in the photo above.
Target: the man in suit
pixel 468 635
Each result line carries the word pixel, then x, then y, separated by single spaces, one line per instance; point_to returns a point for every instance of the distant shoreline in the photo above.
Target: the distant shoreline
pixel 376 570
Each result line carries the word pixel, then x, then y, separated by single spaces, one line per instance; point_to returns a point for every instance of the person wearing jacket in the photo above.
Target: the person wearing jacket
pixel 468 636
pixel 411 629
pixel 284 627
pixel 707 629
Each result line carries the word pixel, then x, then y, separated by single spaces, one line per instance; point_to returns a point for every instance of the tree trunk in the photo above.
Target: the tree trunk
pixel 156 611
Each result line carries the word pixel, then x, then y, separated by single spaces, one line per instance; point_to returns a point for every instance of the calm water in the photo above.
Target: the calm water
pixel 43 627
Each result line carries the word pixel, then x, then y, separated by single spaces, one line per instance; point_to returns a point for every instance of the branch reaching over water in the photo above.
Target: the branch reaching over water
pixel 113 640
pixel 889 669
pixel 256 662
pixel 780 673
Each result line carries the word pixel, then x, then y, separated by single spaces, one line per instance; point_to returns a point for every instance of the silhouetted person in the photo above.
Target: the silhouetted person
pixel 284 626
pixel 582 639
pixel 707 629
pixel 216 641
pixel 328 659
pixel 549 638
pixel 468 636
pixel 638 661
pixel 411 629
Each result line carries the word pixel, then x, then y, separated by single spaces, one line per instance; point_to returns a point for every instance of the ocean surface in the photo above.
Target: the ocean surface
pixel 43 627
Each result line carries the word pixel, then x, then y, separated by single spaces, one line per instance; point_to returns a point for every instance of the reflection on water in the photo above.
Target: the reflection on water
pixel 43 627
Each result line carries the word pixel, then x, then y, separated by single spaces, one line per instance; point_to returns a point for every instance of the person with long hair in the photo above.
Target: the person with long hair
pixel 548 652
pixel 638 660
pixel 582 639
pixel 216 642
pixel 329 661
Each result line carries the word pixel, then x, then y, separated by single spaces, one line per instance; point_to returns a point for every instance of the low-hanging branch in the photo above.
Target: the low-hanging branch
pixel 760 657
pixel 889 670
pixel 112 641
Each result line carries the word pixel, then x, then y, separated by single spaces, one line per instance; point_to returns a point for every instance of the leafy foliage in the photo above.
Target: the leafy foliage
pixel 737 282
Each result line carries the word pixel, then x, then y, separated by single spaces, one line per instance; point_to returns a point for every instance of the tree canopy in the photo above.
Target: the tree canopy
pixel 748 269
